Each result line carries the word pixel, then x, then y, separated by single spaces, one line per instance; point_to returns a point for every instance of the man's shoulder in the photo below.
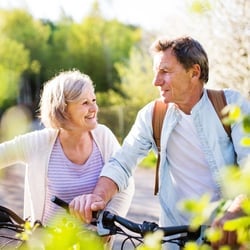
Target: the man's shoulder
pixel 233 96
pixel 147 107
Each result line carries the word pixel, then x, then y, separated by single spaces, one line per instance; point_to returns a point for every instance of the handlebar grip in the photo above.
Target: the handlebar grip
pixel 60 202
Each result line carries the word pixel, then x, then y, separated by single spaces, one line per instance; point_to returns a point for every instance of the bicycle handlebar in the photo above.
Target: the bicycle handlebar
pixel 60 202
pixel 105 222
pixel 108 223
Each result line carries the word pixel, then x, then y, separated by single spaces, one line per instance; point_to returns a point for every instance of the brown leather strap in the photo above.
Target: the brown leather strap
pixel 158 115
pixel 218 99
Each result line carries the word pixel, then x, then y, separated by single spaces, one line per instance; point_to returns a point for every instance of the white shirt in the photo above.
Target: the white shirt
pixel 186 157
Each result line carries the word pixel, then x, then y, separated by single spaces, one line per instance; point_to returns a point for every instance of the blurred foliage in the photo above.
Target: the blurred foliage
pixel 152 241
pixel 14 61
pixel 8 123
pixel 234 115
pixel 149 161
pixel 200 209
pixel 199 6
pixel 65 232
pixel 33 51
pixel 136 79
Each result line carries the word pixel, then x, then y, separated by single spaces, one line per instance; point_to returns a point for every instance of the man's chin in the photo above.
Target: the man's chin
pixel 165 99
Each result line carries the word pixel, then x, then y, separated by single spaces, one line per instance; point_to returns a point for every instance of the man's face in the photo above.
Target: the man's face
pixel 173 80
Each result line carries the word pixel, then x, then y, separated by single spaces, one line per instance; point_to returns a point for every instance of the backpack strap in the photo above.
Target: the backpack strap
pixel 218 99
pixel 159 111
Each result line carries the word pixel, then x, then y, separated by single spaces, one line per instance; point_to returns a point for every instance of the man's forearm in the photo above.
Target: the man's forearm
pixel 106 189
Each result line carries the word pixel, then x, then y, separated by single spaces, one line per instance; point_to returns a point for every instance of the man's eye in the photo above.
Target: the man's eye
pixel 165 70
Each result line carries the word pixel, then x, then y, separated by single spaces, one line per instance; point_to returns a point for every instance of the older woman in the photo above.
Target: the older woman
pixel 66 157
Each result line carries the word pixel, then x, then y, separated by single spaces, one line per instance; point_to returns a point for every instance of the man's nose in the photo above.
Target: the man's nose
pixel 158 80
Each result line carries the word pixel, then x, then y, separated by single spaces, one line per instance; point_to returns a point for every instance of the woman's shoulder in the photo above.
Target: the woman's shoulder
pixel 101 129
pixel 41 134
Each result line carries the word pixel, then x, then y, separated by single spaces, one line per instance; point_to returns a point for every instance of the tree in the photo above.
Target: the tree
pixel 14 60
pixel 19 26
pixel 53 47
pixel 136 89
pixel 92 46
pixel 224 29
pixel 136 78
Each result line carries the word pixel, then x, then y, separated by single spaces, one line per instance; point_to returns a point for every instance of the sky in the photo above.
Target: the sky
pixel 146 13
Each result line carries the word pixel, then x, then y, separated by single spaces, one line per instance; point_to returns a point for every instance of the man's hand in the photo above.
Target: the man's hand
pixel 233 212
pixel 83 206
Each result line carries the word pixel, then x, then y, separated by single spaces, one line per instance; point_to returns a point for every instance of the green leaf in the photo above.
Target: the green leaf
pixel 234 112
pixel 233 225
pixel 246 123
pixel 245 141
pixel 213 234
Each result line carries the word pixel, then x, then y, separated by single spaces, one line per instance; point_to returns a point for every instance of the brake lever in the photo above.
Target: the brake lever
pixel 101 230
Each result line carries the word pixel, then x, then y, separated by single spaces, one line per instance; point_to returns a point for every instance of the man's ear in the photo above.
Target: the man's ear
pixel 196 71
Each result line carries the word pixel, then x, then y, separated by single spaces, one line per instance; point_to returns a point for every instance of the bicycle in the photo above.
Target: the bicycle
pixel 107 224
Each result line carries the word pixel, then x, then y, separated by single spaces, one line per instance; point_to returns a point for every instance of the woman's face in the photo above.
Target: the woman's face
pixel 83 113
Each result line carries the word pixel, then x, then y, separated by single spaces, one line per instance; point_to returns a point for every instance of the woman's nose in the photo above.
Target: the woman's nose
pixel 94 107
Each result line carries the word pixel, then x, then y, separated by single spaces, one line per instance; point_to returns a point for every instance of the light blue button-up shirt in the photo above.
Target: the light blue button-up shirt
pixel 218 148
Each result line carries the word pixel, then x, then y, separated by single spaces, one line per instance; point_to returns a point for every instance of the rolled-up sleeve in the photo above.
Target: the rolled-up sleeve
pixel 135 147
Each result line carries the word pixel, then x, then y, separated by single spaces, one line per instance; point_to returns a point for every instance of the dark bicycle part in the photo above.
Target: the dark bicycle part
pixel 109 219
pixel 146 226
pixel 14 227
pixel 190 234
pixel 60 203
pixel 10 225
pixel 107 225
pixel 7 215
pixel 181 234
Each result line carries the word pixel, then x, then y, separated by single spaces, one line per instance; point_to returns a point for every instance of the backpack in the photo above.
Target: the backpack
pixel 217 97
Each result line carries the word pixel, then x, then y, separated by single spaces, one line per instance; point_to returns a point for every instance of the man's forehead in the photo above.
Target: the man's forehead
pixel 164 58
pixel 158 61
pixel 158 57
